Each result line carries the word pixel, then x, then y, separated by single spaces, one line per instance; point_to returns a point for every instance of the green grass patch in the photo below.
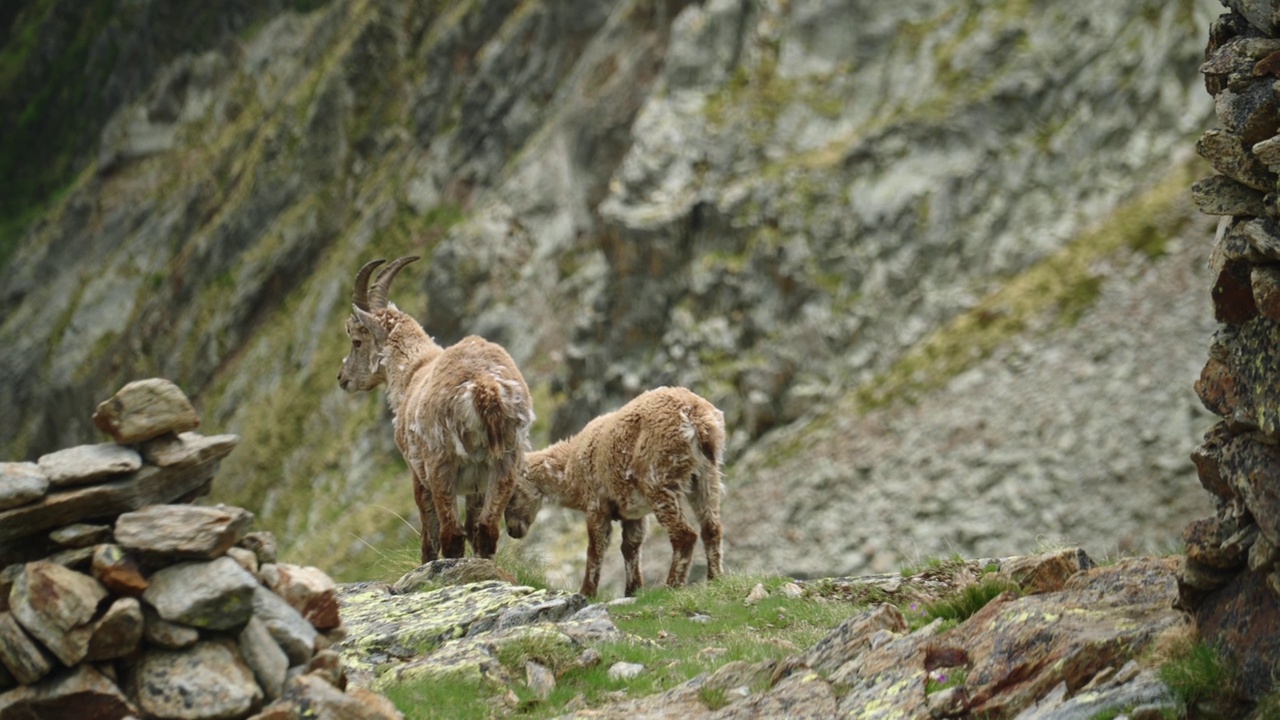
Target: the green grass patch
pixel 951 561
pixel 458 700
pixel 1199 675
pixel 551 650
pixel 966 601
pixel 713 697
pixel 676 634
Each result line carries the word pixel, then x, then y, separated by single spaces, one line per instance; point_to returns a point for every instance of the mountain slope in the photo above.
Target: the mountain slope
pixel 772 203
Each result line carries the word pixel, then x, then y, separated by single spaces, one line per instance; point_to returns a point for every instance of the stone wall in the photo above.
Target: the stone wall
pixel 1231 576
pixel 119 598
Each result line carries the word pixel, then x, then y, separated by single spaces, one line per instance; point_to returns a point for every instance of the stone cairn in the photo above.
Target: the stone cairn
pixel 1231 574
pixel 119 598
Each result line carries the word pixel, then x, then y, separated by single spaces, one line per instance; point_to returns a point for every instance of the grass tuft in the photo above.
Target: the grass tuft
pixel 960 605
pixel 713 697
pixel 1199 675
pixel 458 700
pixel 953 560
pixel 553 651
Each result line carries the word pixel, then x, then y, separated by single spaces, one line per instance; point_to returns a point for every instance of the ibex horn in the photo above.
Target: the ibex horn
pixel 361 295
pixel 378 293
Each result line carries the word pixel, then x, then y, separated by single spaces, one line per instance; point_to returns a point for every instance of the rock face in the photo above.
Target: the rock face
pixel 150 614
pixel 1231 576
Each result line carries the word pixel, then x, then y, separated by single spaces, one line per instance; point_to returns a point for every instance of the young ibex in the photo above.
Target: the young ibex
pixel 462 415
pixel 660 448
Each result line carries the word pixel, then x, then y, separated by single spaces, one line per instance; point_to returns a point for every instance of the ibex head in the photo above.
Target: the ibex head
pixel 523 508
pixel 362 367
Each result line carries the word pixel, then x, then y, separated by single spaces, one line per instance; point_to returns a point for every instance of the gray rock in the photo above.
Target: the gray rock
pixel 295 635
pixel 1249 112
pixel 144 409
pixel 21 483
pixel 1220 195
pixel 117 633
pixel 56 605
pixel 1227 153
pixel 552 610
pixel 165 634
pixel 216 595
pixel 1268 152
pixel 132 135
pixel 207 680
pixel 264 656
pixel 1146 689
pixel 591 623
pixel 88 463
pixel 186 449
pixel 185 531
pixel 83 692
pixel 625 670
pixel 540 679
pixel 81 535
pixel 19 654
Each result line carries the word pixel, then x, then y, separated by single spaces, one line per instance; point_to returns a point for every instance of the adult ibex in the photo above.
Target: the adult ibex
pixel 462 415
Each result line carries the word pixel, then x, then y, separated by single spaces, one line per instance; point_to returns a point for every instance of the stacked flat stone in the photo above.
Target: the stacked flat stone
pixel 149 606
pixel 1231 574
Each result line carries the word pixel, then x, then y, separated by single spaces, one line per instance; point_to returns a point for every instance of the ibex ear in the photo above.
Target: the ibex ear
pixel 371 324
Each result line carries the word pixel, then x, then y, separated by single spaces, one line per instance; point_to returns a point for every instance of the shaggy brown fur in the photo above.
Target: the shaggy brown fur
pixel 647 457
pixel 462 417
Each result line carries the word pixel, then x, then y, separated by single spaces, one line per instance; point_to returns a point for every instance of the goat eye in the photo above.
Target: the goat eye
pixel 355 343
